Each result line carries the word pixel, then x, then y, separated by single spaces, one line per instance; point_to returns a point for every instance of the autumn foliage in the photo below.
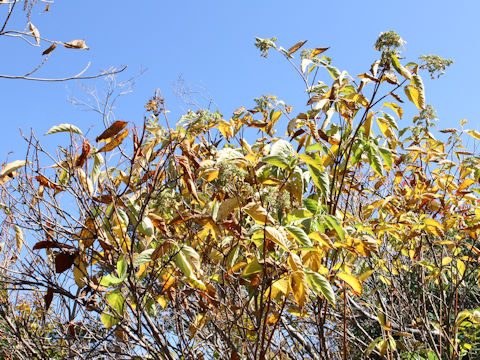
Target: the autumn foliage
pixel 354 235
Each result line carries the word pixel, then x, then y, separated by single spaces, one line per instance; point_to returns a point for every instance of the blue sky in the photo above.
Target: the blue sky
pixel 210 45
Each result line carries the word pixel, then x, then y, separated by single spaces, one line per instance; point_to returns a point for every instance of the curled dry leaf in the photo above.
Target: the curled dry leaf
pixel 35 33
pixel 84 155
pixel 47 183
pixel 63 262
pixel 49 49
pixel 76 44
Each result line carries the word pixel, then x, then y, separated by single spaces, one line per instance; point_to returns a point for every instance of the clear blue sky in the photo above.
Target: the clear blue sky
pixel 210 43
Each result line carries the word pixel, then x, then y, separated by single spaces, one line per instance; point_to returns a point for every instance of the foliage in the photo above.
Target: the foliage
pixel 12 12
pixel 350 237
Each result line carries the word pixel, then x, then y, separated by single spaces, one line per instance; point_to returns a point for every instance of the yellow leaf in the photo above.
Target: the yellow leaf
pixel 162 301
pixel 258 213
pixel 415 96
pixel 465 184
pixel 80 273
pixel 446 260
pixel 226 208
pixel 299 286
pixel 352 281
pixel 364 276
pixel 385 128
pixel 461 267
pixel 433 227
pixel 115 141
pixel 277 237
pixel 367 126
pixel 322 238
pixel 474 133
pixel 281 286
pixel 226 129
pixel 395 107
pixel 295 262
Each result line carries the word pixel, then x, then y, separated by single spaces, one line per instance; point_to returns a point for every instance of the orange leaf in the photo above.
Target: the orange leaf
pixel 115 141
pixel 47 183
pixel 113 130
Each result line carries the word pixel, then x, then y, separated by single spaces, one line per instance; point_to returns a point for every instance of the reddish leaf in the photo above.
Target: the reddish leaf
pixel 113 130
pixel 48 298
pixel 63 262
pixel 84 155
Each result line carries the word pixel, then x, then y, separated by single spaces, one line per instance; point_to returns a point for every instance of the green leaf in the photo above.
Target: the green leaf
pixel 116 301
pixel 386 155
pixel 282 148
pixel 333 71
pixel 122 267
pixel 321 180
pixel 64 128
pixel 320 285
pixel 146 227
pixel 276 160
pixel 252 267
pixel 299 234
pixel 110 280
pixel 311 205
pixel 143 257
pixel 334 224
pixel 400 68
pixel 374 160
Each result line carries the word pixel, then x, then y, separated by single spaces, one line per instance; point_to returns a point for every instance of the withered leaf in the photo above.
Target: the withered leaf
pixel 84 155
pixel 48 298
pixel 76 44
pixel 113 130
pixel 50 245
pixel 49 49
pixel 47 183
pixel 35 33
pixel 295 47
pixel 317 51
pixel 63 262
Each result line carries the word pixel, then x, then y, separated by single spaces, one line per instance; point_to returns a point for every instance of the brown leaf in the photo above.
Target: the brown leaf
pixel 396 97
pixel 48 298
pixel 115 141
pixel 187 175
pixel 295 47
pixel 76 44
pixel 51 245
pixel 113 130
pixel 63 262
pixel 49 49
pixel 84 155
